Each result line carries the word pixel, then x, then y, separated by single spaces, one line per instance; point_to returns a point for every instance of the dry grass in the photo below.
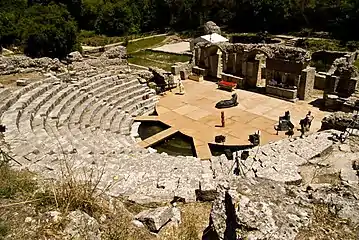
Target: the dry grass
pixel 326 225
pixel 195 218
pixel 21 197
pixel 156 59
pixel 11 78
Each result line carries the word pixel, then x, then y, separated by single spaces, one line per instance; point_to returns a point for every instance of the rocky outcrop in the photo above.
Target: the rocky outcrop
pixel 342 66
pixel 262 209
pixel 160 76
pixel 23 64
pixel 147 75
pixel 210 27
pixel 74 57
pixel 278 161
pixel 81 226
pixel 75 62
pixel 338 121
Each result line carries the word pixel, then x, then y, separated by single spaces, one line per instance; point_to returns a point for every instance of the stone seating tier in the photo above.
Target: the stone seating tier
pixel 88 123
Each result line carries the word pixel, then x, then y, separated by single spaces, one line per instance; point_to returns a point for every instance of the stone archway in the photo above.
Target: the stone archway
pixel 255 60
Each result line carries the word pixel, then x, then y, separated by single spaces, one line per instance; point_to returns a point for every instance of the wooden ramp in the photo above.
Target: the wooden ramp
pixel 148 142
pixel 202 150
pixel 146 118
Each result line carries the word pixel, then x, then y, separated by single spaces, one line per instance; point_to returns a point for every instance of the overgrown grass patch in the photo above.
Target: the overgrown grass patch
pixel 32 199
pixel 149 63
pixel 4 228
pixel 157 59
pixel 159 56
pixel 15 184
pixel 90 38
pixel 356 63
pixel 144 43
pixel 194 217
pixel 326 224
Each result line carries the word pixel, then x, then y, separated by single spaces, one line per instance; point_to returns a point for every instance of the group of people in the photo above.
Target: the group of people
pixel 286 125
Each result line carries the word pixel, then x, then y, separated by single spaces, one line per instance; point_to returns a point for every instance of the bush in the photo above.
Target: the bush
pixel 49 31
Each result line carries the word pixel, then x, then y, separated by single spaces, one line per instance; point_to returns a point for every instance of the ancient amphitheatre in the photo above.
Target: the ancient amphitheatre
pixel 85 113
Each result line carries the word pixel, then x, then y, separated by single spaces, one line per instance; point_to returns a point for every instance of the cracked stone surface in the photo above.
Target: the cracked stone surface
pixel 262 209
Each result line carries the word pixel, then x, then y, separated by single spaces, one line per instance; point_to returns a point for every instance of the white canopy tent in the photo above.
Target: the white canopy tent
pixel 210 38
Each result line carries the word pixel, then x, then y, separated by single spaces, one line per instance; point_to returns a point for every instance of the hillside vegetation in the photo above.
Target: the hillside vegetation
pixel 51 28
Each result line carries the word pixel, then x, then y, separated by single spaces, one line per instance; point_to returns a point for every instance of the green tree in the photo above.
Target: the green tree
pixel 116 19
pixel 48 31
pixel 10 13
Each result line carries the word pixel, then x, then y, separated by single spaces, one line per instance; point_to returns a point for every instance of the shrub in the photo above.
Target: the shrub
pixel 48 31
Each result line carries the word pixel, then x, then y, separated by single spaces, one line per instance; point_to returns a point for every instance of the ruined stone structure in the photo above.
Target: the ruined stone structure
pixel 341 85
pixel 286 69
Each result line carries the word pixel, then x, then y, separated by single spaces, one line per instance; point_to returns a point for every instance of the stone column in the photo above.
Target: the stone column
pixel 306 84
pixel 331 84
pixel 219 64
pixel 234 63
pixel 197 56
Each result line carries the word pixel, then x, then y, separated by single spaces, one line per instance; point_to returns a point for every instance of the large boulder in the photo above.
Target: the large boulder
pixel 74 57
pixel 210 27
pixel 115 52
pixel 156 218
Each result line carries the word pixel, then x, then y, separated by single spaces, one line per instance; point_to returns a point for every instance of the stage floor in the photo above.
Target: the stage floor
pixel 194 114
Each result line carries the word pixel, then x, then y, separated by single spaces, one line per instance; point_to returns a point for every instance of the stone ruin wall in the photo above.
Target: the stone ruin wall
pixel 239 60
pixel 74 62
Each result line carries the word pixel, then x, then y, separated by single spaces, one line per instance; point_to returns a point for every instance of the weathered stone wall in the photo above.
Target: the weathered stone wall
pixel 284 66
pixel 342 78
pixel 74 62
pixel 23 64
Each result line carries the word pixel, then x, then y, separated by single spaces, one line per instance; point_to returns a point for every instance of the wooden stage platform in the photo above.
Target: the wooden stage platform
pixel 194 114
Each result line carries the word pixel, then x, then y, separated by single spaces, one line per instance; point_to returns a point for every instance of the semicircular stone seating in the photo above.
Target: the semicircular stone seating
pixel 87 124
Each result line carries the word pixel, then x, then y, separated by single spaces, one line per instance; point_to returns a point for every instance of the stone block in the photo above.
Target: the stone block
pixel 207 190
pixel 155 219
pixel 319 82
pixel 22 82
pixel 290 94
pixel 196 77
pixel 199 71
pixel 270 89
